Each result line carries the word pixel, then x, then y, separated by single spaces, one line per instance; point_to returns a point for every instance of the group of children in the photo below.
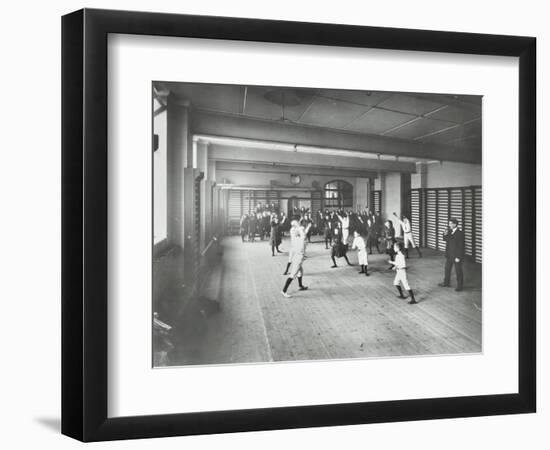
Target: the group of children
pixel 261 224
pixel 340 223
pixel 267 222
pixel 397 252
pixel 367 228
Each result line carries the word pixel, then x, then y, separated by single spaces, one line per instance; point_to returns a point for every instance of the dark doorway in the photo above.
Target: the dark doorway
pixel 292 203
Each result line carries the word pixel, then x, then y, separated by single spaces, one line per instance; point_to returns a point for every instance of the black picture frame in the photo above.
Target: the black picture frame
pixel 84 224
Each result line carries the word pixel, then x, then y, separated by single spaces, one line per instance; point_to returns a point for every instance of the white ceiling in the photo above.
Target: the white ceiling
pixel 452 120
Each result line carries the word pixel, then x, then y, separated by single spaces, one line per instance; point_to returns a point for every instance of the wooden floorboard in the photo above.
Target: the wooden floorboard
pixel 341 315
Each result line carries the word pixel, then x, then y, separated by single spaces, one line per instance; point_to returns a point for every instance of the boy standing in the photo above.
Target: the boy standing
pixel 407 235
pixel 296 256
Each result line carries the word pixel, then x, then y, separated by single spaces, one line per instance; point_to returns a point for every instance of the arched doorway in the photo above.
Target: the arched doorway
pixel 338 194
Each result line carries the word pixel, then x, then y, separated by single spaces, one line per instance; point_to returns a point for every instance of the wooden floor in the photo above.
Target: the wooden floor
pixel 342 315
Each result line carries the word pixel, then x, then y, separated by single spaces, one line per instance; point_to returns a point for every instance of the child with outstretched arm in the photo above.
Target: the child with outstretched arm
pixel 400 266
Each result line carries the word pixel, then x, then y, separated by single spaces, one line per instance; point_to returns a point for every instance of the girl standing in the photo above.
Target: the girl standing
pixel 339 249
pixel 359 244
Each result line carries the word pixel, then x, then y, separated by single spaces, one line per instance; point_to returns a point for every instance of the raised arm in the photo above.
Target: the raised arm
pixel 399 220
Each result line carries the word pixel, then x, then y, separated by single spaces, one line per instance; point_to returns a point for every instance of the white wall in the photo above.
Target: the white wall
pixel 30 388
pixel 418 179
pixel 159 179
pixel 379 182
pixel 453 174
pixel 361 193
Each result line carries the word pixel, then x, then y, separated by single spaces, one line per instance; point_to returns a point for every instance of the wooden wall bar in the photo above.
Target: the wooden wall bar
pixel 431 209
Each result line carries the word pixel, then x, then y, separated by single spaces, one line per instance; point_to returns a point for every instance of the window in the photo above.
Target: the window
pixel 159 174
pixel 338 194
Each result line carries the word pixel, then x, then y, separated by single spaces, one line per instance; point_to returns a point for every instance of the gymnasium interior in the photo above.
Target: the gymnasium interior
pixel 222 151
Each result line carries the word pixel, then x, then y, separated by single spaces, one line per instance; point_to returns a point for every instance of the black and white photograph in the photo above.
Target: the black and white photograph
pixel 275 225
pixel 299 224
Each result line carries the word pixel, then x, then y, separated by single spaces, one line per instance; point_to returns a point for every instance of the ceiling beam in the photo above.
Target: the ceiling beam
pixel 270 187
pixel 231 166
pixel 305 161
pixel 210 123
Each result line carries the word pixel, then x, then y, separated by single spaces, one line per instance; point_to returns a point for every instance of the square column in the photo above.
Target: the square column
pixel 201 156
pixel 177 152
pixel 419 180
pixel 392 199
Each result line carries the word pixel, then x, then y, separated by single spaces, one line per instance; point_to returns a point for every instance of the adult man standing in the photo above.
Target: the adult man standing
pixel 296 255
pixel 454 253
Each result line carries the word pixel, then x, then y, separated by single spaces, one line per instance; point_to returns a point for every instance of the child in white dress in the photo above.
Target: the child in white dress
pixel 361 246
